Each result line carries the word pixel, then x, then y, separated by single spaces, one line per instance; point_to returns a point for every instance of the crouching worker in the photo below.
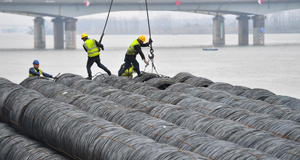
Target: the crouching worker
pixel 134 49
pixel 35 71
pixel 128 72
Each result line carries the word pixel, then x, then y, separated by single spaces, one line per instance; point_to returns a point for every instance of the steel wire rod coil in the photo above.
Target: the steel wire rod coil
pixel 78 134
pixel 244 126
pixel 199 81
pixel 256 93
pixel 15 146
pixel 253 94
pixel 143 130
pixel 145 77
pixel 160 83
pixel 183 76
pixel 272 110
pixel 290 102
pixel 256 106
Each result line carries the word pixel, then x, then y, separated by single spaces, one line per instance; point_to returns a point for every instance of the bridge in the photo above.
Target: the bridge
pixel 64 11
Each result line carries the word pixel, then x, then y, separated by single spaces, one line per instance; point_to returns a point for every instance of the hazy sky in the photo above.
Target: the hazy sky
pixel 12 19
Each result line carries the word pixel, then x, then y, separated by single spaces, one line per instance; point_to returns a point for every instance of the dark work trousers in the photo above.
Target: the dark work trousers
pixel 135 64
pixel 91 61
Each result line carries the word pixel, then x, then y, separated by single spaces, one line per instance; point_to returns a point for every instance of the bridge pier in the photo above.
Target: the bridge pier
pixel 58 32
pixel 218 30
pixel 259 30
pixel 243 30
pixel 39 33
pixel 70 27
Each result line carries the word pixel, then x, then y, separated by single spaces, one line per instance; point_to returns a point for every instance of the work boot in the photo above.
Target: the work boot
pixel 89 78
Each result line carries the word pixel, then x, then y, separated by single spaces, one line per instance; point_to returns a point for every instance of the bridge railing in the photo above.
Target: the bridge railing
pixel 135 1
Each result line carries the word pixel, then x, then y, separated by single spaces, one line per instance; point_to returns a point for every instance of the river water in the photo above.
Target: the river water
pixel 275 66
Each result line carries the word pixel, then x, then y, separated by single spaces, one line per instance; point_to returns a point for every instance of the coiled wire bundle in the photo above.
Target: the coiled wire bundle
pixel 276 111
pixel 15 146
pixel 169 97
pixel 182 76
pixel 114 81
pixel 227 112
pixel 79 134
pixel 187 118
pixel 255 106
pixel 66 79
pixel 147 125
pixel 145 77
pixel 248 119
pixel 220 86
pixel 199 82
pixel 253 94
pixel 237 90
pixel 88 86
pixel 290 102
pixel 80 100
pixel 160 83
pixel 256 93
pixel 139 88
pixel 260 94
pixel 4 92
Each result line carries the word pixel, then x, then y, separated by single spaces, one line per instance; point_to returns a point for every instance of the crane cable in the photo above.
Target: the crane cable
pixel 151 57
pixel 106 21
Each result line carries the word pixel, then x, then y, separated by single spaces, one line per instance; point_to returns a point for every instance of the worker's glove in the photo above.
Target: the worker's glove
pixel 41 75
pixel 54 77
pixel 102 47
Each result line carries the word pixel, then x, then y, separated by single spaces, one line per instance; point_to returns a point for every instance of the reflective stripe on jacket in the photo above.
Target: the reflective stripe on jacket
pixel 91 47
pixel 40 71
pixel 131 50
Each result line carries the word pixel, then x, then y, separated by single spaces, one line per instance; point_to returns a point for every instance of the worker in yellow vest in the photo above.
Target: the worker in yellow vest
pixel 132 51
pixel 92 47
pixel 35 71
pixel 128 72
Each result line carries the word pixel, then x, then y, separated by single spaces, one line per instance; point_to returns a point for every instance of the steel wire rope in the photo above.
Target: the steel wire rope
pixel 151 57
pixel 108 13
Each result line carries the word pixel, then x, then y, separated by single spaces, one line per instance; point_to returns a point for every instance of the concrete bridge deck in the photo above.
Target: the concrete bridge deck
pixel 64 12
pixel 75 8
